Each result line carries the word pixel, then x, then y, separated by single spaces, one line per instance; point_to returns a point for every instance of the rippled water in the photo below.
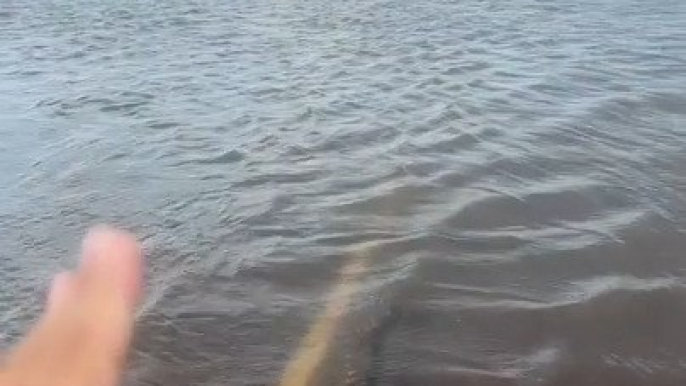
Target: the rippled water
pixel 515 170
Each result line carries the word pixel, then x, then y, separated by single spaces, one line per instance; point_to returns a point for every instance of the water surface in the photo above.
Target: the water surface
pixel 515 168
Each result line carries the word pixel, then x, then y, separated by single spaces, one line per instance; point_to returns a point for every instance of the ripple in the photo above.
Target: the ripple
pixel 230 156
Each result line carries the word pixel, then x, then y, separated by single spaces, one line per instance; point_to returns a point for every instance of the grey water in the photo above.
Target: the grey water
pixel 519 165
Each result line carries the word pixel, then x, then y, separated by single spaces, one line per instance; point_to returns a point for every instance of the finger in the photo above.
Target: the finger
pixel 110 276
pixel 112 259
pixel 62 291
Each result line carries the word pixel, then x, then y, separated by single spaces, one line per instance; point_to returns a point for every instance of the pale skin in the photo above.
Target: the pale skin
pixel 83 336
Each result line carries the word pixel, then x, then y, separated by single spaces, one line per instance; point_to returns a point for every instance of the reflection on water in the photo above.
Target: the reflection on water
pixel 516 168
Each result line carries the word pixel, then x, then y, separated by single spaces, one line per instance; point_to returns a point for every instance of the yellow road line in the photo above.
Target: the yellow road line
pixel 313 349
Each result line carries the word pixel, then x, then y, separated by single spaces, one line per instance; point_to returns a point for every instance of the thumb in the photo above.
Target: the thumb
pixel 84 335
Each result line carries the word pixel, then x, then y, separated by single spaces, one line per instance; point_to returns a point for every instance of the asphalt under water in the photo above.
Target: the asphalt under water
pixel 370 192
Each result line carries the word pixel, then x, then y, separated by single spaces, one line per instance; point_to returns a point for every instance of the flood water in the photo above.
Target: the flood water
pixel 508 177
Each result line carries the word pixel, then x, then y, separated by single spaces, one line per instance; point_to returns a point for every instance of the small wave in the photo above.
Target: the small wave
pixel 230 156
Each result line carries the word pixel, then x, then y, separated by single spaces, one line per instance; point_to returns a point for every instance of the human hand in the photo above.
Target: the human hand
pixel 83 336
